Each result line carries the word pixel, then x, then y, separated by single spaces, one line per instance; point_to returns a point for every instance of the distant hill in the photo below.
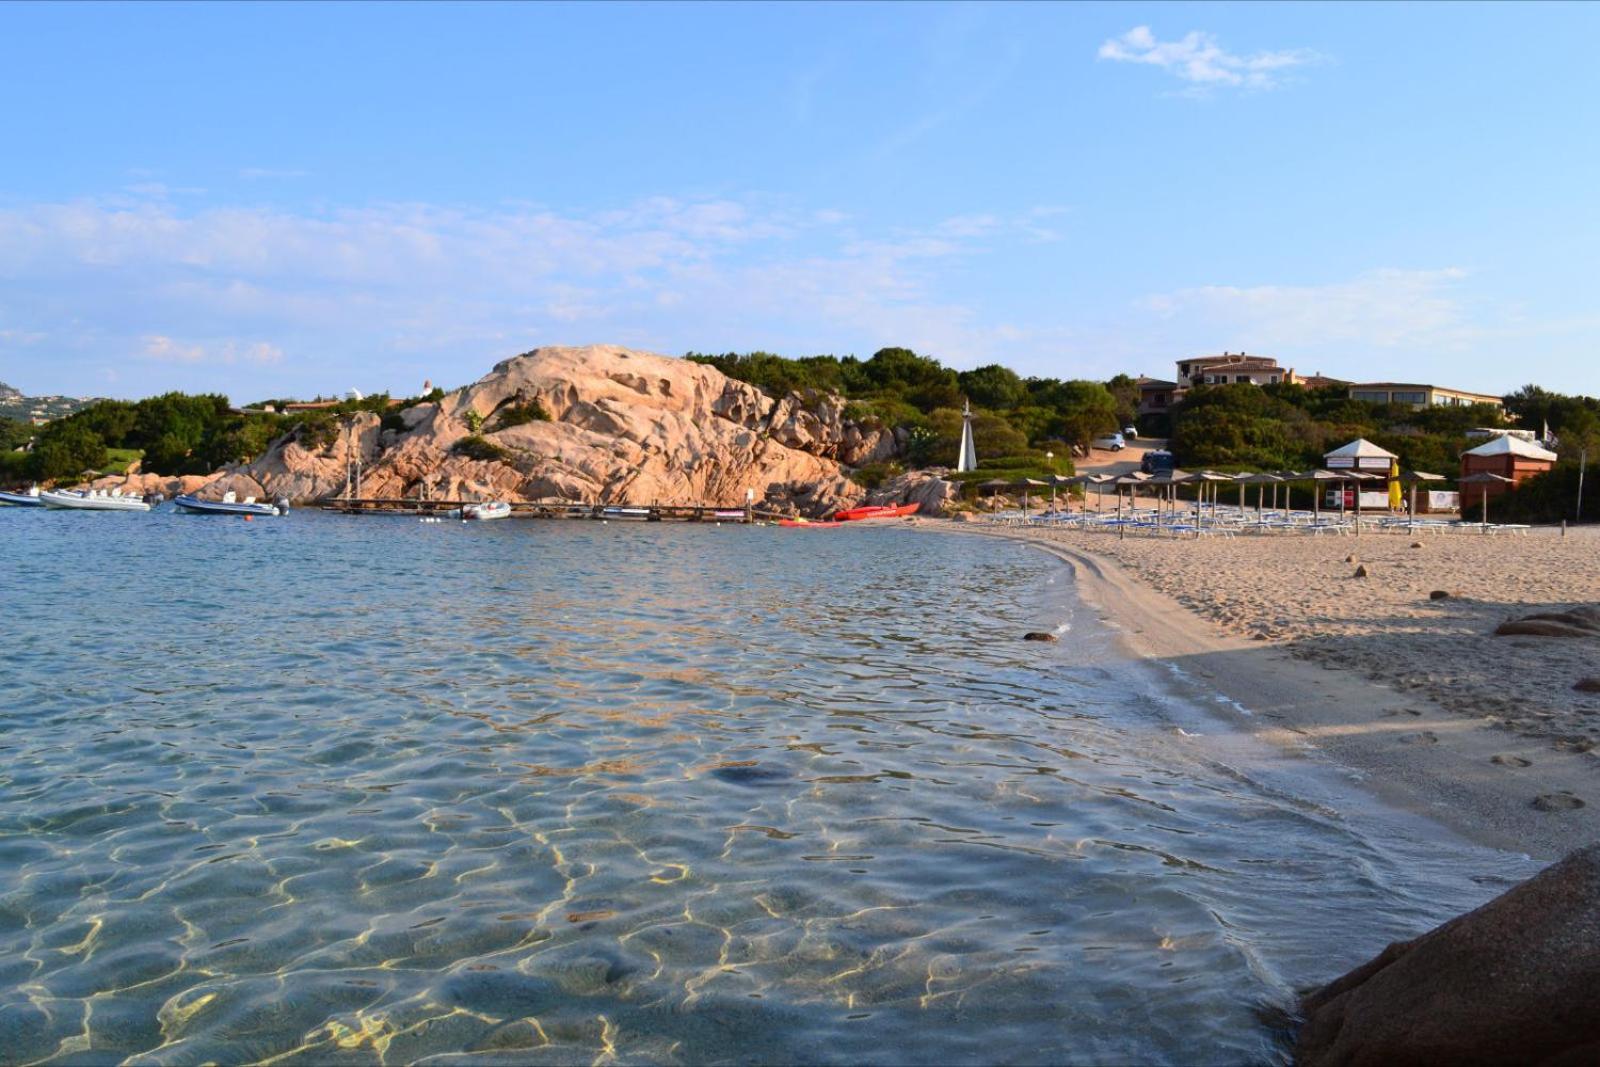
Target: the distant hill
pixel 14 405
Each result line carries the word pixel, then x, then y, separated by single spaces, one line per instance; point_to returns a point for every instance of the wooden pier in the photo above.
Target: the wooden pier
pixel 609 512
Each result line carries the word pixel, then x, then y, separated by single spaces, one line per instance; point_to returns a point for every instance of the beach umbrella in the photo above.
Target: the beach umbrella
pixel 1100 481
pixel 1413 479
pixel 1263 480
pixel 1213 479
pixel 1165 480
pixel 994 485
pixel 1026 483
pixel 1133 479
pixel 1319 478
pixel 1069 481
pixel 1358 477
pixel 1485 479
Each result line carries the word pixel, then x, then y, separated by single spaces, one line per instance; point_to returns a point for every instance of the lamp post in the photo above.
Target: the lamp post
pixel 1050 461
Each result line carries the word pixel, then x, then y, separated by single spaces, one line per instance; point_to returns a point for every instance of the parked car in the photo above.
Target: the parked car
pixel 1156 461
pixel 1110 442
pixel 1131 432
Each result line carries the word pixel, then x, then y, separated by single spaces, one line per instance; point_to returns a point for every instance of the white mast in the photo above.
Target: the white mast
pixel 968 459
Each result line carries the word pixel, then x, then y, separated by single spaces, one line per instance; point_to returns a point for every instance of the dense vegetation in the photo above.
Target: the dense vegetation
pixel 1017 420
pixel 1290 427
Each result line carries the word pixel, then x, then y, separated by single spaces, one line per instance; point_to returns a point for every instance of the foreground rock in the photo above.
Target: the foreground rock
pixel 1515 982
pixel 925 487
pixel 1578 622
pixel 622 427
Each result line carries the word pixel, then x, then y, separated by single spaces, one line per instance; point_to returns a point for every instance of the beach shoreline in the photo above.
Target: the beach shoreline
pixel 1477 775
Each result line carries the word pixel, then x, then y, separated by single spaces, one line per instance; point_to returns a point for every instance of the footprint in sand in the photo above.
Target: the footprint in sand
pixel 1557 802
pixel 1426 737
pixel 1506 760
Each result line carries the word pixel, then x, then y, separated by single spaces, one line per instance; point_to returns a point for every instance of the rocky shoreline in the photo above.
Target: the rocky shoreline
pixel 595 424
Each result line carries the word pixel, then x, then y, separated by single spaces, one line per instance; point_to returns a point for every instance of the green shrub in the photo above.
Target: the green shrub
pixel 518 414
pixel 875 474
pixel 474 447
pixel 317 431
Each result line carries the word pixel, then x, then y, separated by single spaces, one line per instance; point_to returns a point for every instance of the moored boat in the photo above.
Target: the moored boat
pixel 876 511
pixel 230 504
pixel 489 509
pixel 28 499
pixel 92 500
pixel 631 514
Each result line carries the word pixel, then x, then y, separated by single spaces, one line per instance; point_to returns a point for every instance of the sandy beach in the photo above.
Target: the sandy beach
pixel 1416 694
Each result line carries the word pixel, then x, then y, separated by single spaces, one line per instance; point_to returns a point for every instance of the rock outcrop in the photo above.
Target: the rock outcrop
pixel 925 487
pixel 1516 981
pixel 621 427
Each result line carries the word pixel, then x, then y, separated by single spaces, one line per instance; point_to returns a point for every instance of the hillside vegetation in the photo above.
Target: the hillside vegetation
pixel 1017 420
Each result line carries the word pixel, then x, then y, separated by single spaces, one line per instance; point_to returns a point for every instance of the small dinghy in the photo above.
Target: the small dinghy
pixel 228 505
pixel 489 509
pixel 29 499
pixel 630 514
pixel 92 500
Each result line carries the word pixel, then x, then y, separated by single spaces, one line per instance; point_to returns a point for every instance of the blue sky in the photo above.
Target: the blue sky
pixel 279 199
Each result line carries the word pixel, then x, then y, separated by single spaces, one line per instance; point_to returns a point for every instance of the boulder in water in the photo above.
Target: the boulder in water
pixel 1516 981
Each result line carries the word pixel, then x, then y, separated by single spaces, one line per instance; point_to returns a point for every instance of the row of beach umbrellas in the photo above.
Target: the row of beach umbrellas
pixel 1210 483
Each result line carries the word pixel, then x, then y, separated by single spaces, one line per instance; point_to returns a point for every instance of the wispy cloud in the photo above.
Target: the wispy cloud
pixel 271 173
pixel 1386 308
pixel 1198 59
pixel 348 293
pixel 228 351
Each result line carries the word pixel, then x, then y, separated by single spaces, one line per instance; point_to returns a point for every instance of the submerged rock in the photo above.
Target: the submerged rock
pixel 1516 981
pixel 1038 636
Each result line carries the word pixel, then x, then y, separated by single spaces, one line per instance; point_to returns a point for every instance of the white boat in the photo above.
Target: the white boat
pixel 630 514
pixel 230 504
pixel 29 499
pixel 92 500
pixel 490 509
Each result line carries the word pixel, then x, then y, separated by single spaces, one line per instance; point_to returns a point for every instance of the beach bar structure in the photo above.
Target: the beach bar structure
pixel 1360 457
pixel 1512 458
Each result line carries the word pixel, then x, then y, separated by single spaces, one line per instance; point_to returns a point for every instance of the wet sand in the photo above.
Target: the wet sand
pixel 1416 695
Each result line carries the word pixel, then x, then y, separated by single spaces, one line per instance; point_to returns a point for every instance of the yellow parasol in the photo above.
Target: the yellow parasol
pixel 1396 497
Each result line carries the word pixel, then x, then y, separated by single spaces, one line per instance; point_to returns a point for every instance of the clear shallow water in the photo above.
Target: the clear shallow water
pixel 330 790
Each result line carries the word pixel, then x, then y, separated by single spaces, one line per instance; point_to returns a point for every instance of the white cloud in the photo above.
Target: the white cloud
pixel 1198 59
pixel 1385 308
pixel 216 294
pixel 229 351
pixel 271 173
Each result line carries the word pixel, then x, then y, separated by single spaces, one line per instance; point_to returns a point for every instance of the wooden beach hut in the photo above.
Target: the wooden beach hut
pixel 1512 458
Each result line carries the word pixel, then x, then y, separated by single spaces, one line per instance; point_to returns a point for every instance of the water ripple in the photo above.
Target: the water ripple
pixel 357 791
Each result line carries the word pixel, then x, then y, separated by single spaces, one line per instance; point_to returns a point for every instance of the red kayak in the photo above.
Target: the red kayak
pixel 891 511
pixel 807 524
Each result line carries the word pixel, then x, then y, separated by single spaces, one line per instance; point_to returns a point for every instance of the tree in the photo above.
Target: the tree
pixel 66 448
pixel 1124 389
pixel 993 386
pixel 1087 410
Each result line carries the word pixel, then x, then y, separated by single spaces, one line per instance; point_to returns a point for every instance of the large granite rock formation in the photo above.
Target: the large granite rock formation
pixel 623 426
pixel 1515 982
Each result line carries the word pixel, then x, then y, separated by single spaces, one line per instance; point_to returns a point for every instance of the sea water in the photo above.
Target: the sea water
pixel 352 790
